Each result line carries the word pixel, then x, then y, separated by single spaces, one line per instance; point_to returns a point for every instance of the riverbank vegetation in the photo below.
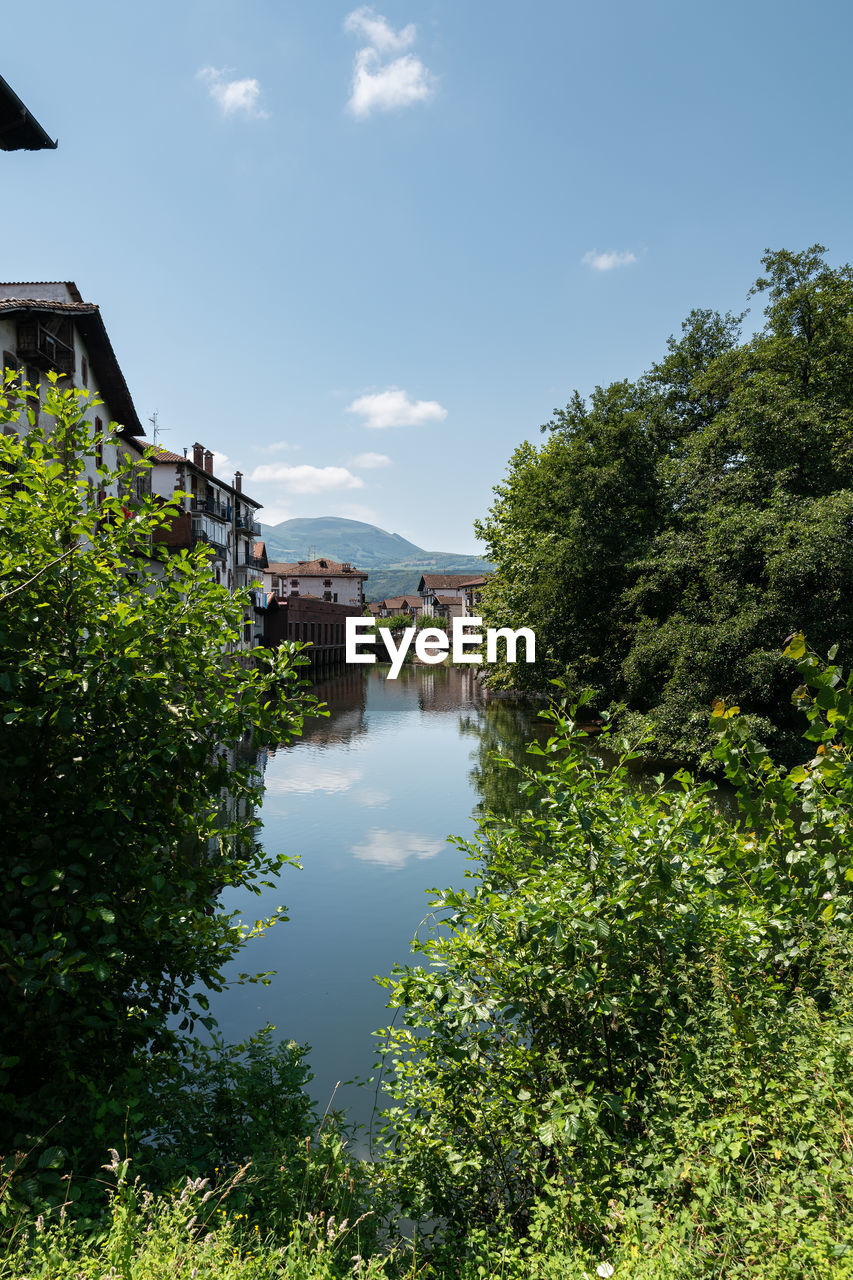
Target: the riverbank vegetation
pixel 674 529
pixel 127 798
pixel 625 1048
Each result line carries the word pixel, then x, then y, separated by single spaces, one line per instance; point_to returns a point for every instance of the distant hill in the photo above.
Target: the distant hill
pixel 393 563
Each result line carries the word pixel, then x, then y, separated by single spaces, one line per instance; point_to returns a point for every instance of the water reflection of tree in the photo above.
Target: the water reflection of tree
pixel 503 728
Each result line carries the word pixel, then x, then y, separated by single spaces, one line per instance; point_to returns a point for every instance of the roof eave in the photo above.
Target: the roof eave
pixel 20 131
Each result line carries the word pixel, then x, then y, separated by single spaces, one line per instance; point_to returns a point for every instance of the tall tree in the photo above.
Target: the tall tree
pixel 728 526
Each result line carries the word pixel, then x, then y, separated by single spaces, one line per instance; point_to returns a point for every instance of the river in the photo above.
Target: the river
pixel 366 799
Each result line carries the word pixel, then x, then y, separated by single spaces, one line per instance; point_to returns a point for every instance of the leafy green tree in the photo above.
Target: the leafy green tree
pixel 671 536
pixel 629 987
pixel 566 525
pixel 126 788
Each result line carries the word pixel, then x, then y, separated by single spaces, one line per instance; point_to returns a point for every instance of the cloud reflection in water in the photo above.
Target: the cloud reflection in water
pixel 393 849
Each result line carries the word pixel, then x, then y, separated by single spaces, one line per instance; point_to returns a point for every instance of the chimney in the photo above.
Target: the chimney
pixel 238 481
pixel 208 462
pixel 198 455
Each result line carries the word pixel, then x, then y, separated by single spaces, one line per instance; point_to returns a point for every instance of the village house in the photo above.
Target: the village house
pixel 216 514
pixel 330 580
pixel 412 605
pixel 451 595
pixel 46 327
pixel 473 590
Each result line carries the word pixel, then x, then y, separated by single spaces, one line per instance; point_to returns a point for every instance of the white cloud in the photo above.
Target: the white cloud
pixel 394 409
pixel 305 479
pixel 397 84
pixel 393 849
pixel 607 261
pixel 233 97
pixel 370 461
pixel 219 460
pixel 278 446
pixel 377 31
pixel 272 513
pixel 385 86
pixel 305 777
pixel 372 798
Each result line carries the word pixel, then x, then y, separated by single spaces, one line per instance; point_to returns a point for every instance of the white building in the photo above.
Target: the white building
pixel 45 326
pixel 324 579
pixel 451 595
pixel 218 515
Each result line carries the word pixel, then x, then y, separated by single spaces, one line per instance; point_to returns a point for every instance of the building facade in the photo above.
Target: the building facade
pixel 46 327
pixel 451 595
pixel 215 513
pixel 330 580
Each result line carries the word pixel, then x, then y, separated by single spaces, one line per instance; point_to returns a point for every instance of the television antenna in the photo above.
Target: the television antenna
pixel 156 429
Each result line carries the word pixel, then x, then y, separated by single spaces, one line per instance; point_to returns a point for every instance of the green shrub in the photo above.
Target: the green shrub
pixel 127 794
pixel 616 1015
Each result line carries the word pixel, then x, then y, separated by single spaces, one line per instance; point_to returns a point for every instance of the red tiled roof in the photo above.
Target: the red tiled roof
pixel 48 304
pixel 319 568
pixel 434 581
pixel 166 455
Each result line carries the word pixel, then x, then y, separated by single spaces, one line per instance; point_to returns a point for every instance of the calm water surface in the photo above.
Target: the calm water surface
pixel 366 799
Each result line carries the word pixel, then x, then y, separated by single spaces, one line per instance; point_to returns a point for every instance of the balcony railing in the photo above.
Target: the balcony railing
pixel 251 564
pixel 200 537
pixel 247 524
pixel 212 507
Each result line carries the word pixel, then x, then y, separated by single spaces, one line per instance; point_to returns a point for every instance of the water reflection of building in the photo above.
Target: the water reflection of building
pixel 345 694
pixel 448 688
pixel 235 807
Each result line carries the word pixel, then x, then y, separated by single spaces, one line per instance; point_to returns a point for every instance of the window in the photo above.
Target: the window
pixel 10 361
pixel 84 371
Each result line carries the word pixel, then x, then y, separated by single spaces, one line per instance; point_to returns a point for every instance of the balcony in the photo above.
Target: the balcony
pixel 246 524
pixel 210 506
pixel 201 537
pixel 47 347
pixel 252 564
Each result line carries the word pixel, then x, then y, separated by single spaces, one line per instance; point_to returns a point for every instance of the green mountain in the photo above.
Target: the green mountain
pixel 394 564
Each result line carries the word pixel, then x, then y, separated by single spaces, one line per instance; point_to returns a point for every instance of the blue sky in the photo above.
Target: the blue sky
pixel 363 252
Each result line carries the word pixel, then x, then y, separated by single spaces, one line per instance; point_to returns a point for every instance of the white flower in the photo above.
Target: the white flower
pixel 605 1270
